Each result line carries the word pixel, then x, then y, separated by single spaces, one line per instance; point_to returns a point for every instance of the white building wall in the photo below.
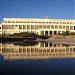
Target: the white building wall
pixel 16 22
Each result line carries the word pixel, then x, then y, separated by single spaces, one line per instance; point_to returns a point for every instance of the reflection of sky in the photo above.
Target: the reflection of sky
pixel 37 8
pixel 38 67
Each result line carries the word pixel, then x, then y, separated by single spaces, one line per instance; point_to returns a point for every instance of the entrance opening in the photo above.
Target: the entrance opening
pixel 46 33
pixel 74 27
pixel 55 32
pixel 50 32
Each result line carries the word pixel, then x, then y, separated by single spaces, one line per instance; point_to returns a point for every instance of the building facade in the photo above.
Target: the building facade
pixel 36 25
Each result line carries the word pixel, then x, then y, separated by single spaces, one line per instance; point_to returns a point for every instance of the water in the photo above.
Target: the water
pixel 37 58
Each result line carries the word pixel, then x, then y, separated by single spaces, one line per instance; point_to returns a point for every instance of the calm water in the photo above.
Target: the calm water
pixel 37 58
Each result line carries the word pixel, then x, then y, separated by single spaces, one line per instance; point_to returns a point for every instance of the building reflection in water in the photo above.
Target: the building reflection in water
pixel 42 50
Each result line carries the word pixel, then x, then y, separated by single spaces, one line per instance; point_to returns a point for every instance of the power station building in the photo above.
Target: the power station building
pixel 36 25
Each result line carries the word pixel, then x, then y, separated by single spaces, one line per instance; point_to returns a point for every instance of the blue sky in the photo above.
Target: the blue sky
pixel 37 9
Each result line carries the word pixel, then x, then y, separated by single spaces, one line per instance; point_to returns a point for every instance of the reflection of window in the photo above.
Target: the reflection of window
pixel 32 49
pixel 52 50
pixel 56 50
pixel 44 50
pixel 28 50
pixel 40 51
pixel 36 49
pixel 24 49
pixel 46 44
pixel 20 49
pixel 48 50
pixel 42 44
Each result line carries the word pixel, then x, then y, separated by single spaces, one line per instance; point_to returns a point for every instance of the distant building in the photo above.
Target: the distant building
pixel 36 25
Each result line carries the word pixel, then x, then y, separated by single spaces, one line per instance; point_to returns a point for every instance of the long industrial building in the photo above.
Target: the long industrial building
pixel 39 26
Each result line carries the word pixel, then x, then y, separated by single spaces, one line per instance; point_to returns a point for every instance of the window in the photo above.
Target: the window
pixel 20 26
pixel 7 26
pixel 67 27
pixel 36 27
pixel 13 21
pixel 43 22
pixel 52 26
pixel 20 21
pixel 17 21
pixel 60 27
pixel 53 22
pixel 16 25
pixel 50 22
pixel 60 22
pixel 12 26
pixel 67 22
pixel 64 22
pixel 40 26
pixel 44 26
pixel 9 21
pixel 35 22
pixel 63 27
pixel 24 26
pixel 28 22
pixel 3 27
pixel 56 27
pixel 28 26
pixel 39 22
pixel 71 28
pixel 70 22
pixel 24 21
pixel 5 21
pixel 46 22
pixel 48 26
pixel 32 22
pixel 32 26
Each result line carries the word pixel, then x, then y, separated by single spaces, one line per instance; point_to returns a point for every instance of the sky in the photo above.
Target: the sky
pixel 54 9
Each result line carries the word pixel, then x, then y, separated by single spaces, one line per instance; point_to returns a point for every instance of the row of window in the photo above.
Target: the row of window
pixel 38 50
pixel 38 22
pixel 38 27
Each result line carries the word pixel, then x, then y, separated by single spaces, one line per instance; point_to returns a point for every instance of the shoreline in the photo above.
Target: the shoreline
pixel 61 41
pixel 67 40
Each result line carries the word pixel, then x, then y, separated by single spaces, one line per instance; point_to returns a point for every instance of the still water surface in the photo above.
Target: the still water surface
pixel 38 58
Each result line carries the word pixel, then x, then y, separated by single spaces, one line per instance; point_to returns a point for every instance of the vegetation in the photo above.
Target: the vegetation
pixel 25 34
pixel 64 33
